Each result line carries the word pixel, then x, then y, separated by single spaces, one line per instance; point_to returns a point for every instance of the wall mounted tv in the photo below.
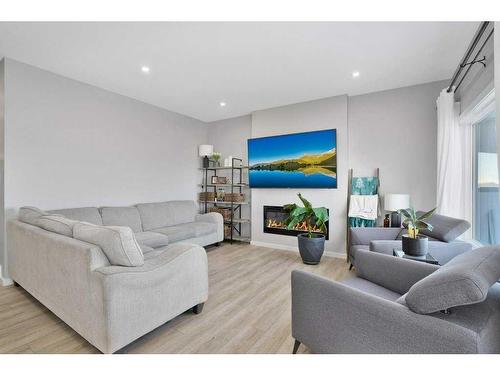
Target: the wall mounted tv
pixel 300 160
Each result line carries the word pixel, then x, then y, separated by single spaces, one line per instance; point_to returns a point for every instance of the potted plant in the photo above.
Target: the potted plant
pixel 216 158
pixel 311 244
pixel 415 244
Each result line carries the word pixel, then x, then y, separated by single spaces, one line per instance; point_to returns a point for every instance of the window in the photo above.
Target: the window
pixel 486 223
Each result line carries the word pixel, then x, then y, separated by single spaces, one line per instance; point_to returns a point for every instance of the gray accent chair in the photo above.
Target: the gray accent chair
pixel 112 305
pixel 443 243
pixel 369 313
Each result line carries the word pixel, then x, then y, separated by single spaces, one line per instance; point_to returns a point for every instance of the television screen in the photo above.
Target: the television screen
pixel 301 160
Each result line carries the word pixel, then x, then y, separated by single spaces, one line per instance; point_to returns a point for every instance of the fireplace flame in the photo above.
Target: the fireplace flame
pixel 302 226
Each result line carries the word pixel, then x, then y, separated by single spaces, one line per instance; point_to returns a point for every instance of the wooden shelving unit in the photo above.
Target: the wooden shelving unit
pixel 237 185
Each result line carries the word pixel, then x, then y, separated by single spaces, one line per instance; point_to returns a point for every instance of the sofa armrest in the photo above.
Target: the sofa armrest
pixel 363 236
pixel 139 299
pixel 391 272
pixel 215 218
pixel 330 317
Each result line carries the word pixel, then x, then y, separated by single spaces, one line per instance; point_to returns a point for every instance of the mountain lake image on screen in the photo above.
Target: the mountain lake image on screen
pixel 300 160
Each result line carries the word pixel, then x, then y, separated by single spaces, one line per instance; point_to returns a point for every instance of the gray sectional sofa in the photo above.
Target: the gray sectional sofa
pixel 114 273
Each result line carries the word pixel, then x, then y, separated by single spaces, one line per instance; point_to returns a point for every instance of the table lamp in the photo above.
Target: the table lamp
pixel 205 151
pixel 393 203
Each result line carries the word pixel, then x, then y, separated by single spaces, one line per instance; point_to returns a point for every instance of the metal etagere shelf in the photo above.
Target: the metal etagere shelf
pixel 237 184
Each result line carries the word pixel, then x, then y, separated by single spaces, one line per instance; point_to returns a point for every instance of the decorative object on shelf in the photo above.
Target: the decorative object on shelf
pixel 217 180
pixel 207 196
pixel 234 197
pixel 221 195
pixel 216 158
pixel 228 162
pixel 415 244
pixel 205 151
pixel 311 245
pixel 394 203
pixel 301 160
pixel 386 221
pixel 225 212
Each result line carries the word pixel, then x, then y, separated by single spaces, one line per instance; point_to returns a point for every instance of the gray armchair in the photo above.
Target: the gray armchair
pixel 369 313
pixel 443 243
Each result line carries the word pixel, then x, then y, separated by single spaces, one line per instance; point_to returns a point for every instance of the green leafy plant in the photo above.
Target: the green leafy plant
pixel 311 216
pixel 216 156
pixel 414 223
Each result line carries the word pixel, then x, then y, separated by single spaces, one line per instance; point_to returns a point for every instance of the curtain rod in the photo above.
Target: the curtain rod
pixel 463 63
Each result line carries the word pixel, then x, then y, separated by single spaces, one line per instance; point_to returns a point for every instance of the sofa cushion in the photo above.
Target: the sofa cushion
pixel 30 215
pixel 146 249
pixel 464 280
pixel 122 217
pixel 446 228
pixel 178 232
pixel 57 224
pixel 185 231
pixel 118 243
pixel 87 214
pixel 152 239
pixel 165 214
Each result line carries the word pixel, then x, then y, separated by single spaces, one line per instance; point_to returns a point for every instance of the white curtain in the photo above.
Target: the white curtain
pixel 454 164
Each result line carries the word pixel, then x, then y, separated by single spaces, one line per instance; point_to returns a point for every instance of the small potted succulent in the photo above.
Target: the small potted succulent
pixel 311 244
pixel 415 244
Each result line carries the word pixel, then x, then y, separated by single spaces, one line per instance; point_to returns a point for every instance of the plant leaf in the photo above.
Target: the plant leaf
pixel 289 207
pixel 306 203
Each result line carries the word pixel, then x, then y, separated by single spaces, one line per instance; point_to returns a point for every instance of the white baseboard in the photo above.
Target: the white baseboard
pixel 295 249
pixel 5 280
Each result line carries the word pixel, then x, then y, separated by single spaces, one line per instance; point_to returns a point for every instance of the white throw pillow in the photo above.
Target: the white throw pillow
pixel 118 243
pixel 57 224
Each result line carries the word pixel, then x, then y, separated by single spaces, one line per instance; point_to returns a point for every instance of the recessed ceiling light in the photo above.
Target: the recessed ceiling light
pixel 145 69
pixel 222 104
pixel 355 74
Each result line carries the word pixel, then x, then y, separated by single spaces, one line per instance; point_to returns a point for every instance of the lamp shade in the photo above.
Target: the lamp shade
pixel 205 150
pixel 394 202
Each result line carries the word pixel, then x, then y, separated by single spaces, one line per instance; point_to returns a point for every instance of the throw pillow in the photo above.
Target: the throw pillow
pixel 118 243
pixel 464 280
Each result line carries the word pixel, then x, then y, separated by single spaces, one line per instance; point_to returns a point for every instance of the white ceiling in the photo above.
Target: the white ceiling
pixel 251 66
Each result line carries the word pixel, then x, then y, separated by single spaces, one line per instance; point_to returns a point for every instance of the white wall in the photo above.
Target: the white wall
pixel 69 144
pixel 330 113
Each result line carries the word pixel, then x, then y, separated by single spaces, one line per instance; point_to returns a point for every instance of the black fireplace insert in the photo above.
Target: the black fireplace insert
pixel 274 222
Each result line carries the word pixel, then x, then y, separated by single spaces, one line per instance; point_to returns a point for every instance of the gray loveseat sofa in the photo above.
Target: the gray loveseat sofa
pixel 111 305
pixel 443 242
pixel 396 305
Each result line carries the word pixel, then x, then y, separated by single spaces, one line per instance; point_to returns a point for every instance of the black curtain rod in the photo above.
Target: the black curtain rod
pixel 472 46
pixel 475 58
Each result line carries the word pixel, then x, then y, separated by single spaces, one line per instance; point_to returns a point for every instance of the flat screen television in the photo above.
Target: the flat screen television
pixel 300 160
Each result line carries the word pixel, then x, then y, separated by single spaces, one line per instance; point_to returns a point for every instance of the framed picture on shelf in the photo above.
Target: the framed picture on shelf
pixel 217 180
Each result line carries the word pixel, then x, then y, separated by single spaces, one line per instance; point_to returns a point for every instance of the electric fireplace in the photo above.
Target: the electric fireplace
pixel 274 222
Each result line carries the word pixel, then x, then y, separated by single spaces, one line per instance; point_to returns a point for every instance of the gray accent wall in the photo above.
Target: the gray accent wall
pixel 69 144
pixel 396 131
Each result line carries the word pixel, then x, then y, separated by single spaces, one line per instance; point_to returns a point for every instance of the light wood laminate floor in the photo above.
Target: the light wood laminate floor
pixel 248 310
